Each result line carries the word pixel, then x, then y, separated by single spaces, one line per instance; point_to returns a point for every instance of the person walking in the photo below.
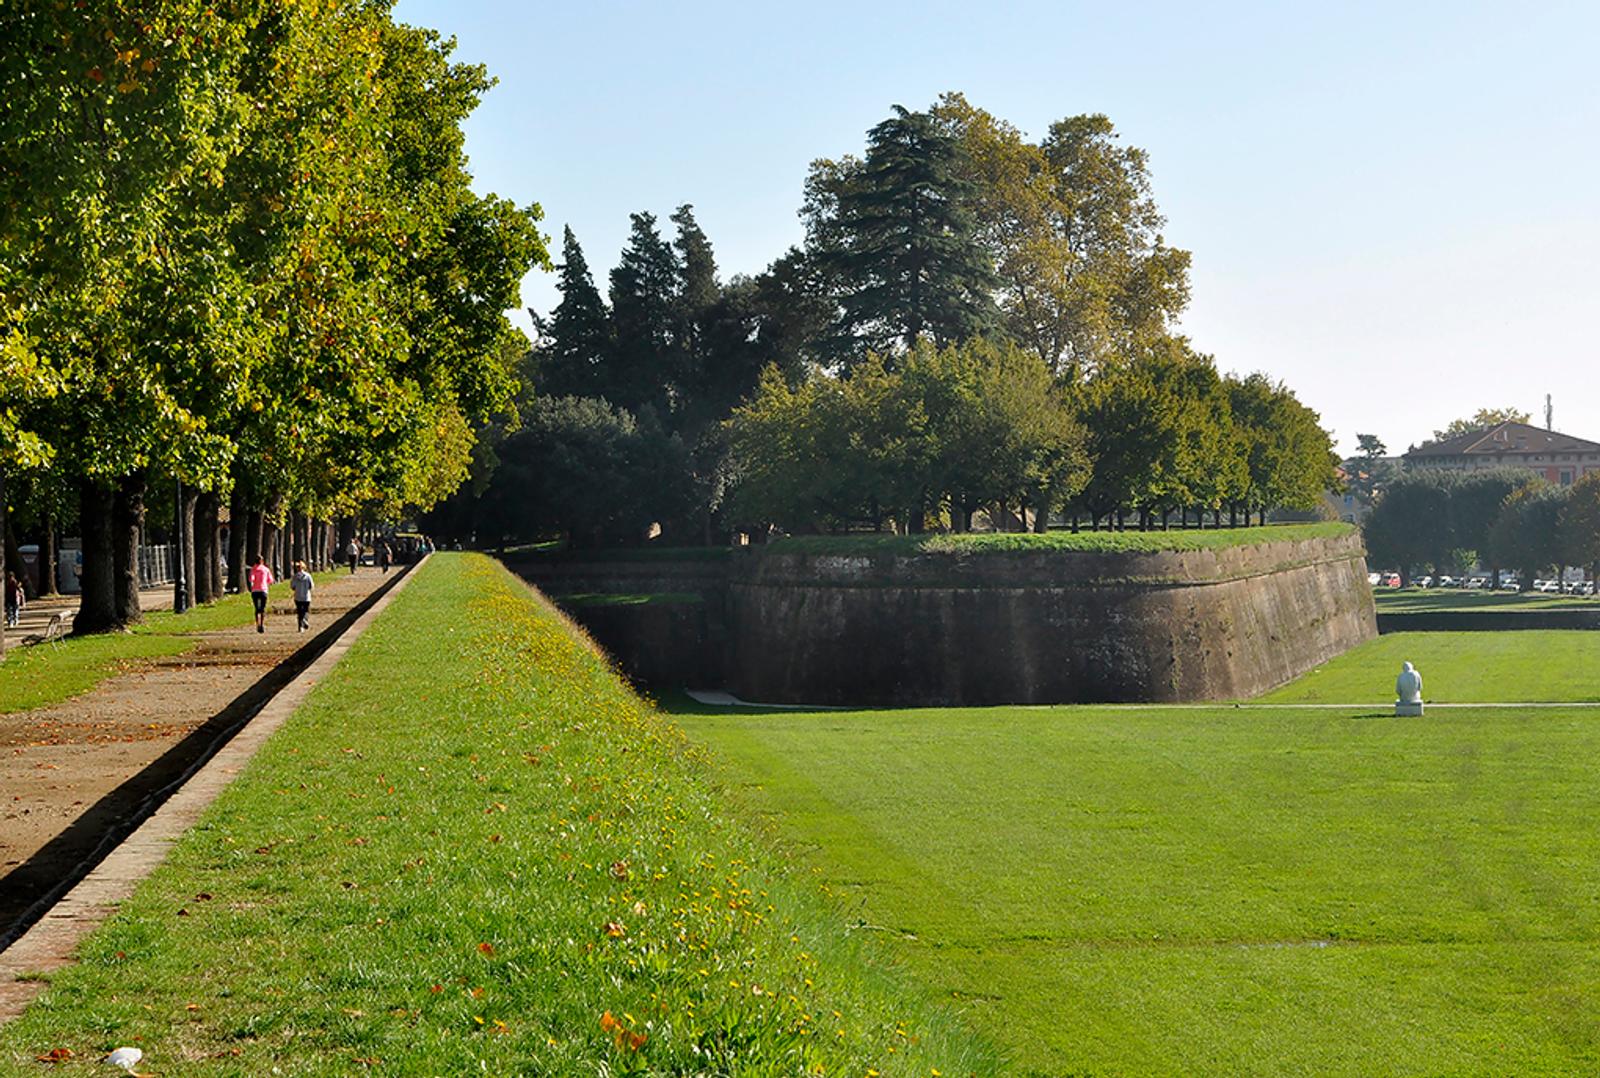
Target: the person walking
pixel 302 584
pixel 16 599
pixel 352 553
pixel 383 555
pixel 260 579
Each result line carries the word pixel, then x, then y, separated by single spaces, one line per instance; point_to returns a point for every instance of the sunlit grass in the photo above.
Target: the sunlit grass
pixel 1118 891
pixel 473 850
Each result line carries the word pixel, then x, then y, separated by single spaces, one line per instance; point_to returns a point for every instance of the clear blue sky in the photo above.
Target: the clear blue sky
pixel 1393 207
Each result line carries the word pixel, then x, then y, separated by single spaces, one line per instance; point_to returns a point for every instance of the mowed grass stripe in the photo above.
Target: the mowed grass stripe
pixel 1210 892
pixel 1532 665
pixel 473 850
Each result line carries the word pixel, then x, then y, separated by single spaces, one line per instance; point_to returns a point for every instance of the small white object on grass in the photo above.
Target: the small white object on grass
pixel 1408 690
pixel 126 1058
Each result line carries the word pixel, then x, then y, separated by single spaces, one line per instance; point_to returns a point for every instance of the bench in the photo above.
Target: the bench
pixel 54 630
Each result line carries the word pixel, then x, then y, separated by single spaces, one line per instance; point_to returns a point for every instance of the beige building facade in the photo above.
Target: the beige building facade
pixel 1560 459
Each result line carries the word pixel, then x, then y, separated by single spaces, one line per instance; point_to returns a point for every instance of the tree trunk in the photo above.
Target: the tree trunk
pixel 252 538
pixel 238 530
pixel 200 586
pixel 186 507
pixel 97 604
pixel 269 545
pixel 47 555
pixel 212 545
pixel 13 556
pixel 1261 521
pixel 128 510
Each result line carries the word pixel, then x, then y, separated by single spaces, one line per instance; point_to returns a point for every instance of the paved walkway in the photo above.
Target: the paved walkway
pixel 73 772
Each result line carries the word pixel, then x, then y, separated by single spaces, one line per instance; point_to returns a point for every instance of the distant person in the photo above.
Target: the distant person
pixel 15 599
pixel 302 584
pixel 352 553
pixel 383 555
pixel 260 579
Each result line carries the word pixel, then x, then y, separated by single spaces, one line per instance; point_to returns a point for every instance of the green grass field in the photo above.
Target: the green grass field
pixel 1124 891
pixel 1065 541
pixel 474 851
pixel 1436 600
pixel 45 674
pixel 1526 666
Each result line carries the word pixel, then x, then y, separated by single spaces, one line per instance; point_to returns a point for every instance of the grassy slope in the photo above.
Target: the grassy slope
pixel 38 676
pixel 1433 600
pixel 422 867
pixel 1561 666
pixel 1107 541
pixel 1305 893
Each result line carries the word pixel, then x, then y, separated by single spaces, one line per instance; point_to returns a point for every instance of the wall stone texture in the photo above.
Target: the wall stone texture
pixel 887 629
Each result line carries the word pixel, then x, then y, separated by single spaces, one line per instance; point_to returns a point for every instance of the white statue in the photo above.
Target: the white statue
pixel 1408 689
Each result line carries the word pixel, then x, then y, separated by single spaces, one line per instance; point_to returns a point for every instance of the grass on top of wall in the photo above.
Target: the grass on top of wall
pixel 1057 541
pixel 473 850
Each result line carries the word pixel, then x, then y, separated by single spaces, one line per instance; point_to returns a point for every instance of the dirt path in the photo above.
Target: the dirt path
pixel 76 773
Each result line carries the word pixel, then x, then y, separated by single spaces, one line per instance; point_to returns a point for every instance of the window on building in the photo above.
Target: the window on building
pixel 1566 477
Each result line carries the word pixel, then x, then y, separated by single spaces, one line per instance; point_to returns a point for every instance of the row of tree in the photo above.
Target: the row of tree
pixel 239 251
pixel 1505 518
pixel 974 319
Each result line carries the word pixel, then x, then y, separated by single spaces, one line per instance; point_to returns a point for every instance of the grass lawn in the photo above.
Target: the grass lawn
pixel 1123 891
pixel 1099 542
pixel 474 851
pixel 45 674
pixel 1551 665
pixel 1435 600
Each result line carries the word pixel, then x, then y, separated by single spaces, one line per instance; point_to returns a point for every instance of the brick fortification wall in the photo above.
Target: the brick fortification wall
pixel 880 628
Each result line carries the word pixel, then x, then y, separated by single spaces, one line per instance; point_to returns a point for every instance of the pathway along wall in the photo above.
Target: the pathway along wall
pixel 987 628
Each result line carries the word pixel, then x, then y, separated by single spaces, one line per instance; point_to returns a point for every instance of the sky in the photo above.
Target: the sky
pixel 1394 208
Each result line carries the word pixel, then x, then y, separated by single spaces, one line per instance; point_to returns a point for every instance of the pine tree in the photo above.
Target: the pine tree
pixel 577 351
pixel 901 240
pixel 644 310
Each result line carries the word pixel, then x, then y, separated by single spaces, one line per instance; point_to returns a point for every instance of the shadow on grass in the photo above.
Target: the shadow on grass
pixel 28 891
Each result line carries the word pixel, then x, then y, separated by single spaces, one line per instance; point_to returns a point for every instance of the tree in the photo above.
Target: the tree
pixel 584 469
pixel 1476 499
pixel 1528 532
pixel 644 310
pixel 1368 470
pixel 1412 525
pixel 896 233
pixel 1290 456
pixel 1074 233
pixel 1482 419
pixel 576 345
pixel 1580 525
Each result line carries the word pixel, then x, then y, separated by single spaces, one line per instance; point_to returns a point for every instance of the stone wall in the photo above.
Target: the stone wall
pixel 881 628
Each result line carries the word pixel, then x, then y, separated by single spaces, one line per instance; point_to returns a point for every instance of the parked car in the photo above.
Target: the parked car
pixel 1447 582
pixel 1422 582
pixel 1390 580
pixel 1374 578
pixel 1549 587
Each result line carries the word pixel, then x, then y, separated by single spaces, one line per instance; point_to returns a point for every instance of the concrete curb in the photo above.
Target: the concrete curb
pixel 52 941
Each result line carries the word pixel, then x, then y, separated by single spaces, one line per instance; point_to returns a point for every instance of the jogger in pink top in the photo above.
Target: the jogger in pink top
pixel 260 579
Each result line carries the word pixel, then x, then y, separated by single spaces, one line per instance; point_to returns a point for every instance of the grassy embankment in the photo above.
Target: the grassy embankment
pixel 41 675
pixel 1526 666
pixel 473 850
pixel 1128 891
pixel 1451 600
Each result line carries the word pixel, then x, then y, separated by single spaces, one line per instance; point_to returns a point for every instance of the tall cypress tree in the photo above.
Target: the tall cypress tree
pixel 576 354
pixel 644 310
pixel 902 243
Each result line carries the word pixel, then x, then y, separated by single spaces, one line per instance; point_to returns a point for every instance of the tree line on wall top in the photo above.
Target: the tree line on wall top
pixel 974 321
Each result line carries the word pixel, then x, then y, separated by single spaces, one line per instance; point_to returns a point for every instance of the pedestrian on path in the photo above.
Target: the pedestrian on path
pixel 383 555
pixel 16 599
pixel 353 553
pixel 302 584
pixel 261 579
